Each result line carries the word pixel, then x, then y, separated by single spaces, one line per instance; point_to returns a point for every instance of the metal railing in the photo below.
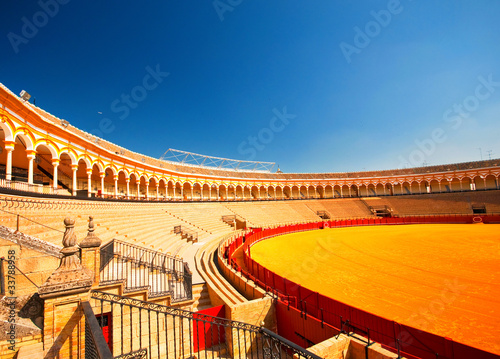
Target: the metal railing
pixel 186 232
pixel 166 332
pixel 142 268
pixel 95 343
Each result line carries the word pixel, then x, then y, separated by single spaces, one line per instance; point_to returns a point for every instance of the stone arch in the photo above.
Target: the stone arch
pixel 262 192
pixel 254 192
pixel 303 192
pixel 455 185
pixel 280 194
pixel 354 188
pixel 86 160
pixel 70 153
pixel 239 192
pixel 271 192
pixel 187 188
pixel 27 137
pixel 311 192
pixel 434 185
pixel 43 147
pixel 320 190
pixel 231 192
pixel 205 191
pixel 122 182
pixel 415 187
pixel 99 164
pixel 379 189
pixel 490 181
pixel 133 186
pixel 329 191
pixel 405 187
pixel 197 194
pixel 222 192
pixel 7 130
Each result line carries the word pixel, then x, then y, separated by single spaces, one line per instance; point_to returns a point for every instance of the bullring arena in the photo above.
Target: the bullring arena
pixel 109 253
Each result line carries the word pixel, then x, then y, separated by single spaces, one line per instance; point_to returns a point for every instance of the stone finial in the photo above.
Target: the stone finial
pixel 69 260
pixel 71 276
pixel 91 240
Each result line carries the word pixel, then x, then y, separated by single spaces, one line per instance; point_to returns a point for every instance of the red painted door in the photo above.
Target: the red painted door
pixel 104 321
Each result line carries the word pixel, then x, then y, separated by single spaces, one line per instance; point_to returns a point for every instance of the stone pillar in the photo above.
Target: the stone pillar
pixel 55 163
pixel 74 186
pixel 89 182
pixel 102 175
pixel 89 249
pixel 9 148
pixel 63 293
pixel 115 178
pixel 157 191
pixel 147 190
pixel 127 180
pixel 31 157
pixel 138 183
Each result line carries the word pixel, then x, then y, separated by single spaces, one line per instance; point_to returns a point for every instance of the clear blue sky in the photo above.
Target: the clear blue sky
pixel 365 84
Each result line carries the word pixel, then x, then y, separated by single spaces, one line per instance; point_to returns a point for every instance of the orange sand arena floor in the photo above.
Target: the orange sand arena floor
pixel 441 278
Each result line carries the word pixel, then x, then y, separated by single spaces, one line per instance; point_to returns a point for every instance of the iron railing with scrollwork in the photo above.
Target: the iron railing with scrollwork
pixel 167 332
pixel 95 343
pixel 141 268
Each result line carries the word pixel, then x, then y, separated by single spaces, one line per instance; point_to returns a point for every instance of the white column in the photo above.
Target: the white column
pixel 101 176
pixel 138 183
pixel 157 191
pixel 192 193
pixel 210 193
pixel 9 148
pixel 115 178
pixel 127 180
pixel 89 183
pixel 74 168
pixel 55 163
pixel 147 190
pixel 31 158
pixel 461 189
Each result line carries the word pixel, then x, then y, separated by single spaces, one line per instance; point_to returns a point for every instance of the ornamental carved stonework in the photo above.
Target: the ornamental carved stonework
pixel 71 276
pixel 91 240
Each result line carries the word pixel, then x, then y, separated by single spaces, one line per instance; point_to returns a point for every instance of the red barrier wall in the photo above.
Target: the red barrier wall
pixel 206 335
pixel 304 314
